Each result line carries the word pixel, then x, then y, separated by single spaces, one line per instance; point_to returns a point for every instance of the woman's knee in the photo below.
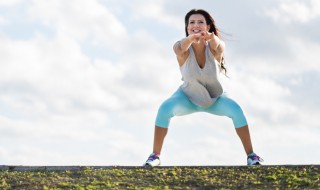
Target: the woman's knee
pixel 165 113
pixel 234 111
pixel 238 116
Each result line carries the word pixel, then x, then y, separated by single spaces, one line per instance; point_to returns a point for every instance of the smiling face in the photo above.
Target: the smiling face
pixel 196 24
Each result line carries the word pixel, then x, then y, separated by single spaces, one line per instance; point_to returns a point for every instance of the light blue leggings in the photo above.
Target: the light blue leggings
pixel 179 104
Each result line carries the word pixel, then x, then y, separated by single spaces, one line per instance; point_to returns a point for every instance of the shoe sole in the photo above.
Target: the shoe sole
pixel 255 164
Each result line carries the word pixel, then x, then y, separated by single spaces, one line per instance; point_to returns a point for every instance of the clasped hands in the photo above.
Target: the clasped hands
pixel 202 36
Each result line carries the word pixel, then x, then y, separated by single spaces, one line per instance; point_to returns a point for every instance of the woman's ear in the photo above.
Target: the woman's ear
pixel 208 27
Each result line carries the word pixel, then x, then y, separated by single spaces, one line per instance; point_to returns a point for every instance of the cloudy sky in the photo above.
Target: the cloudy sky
pixel 81 82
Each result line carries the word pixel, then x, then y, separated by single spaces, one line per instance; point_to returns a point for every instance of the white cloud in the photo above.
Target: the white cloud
pixel 53 90
pixel 157 12
pixel 299 58
pixel 81 20
pixel 305 53
pixel 2 20
pixel 9 3
pixel 295 11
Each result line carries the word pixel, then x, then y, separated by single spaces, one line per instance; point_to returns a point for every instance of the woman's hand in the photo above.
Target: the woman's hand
pixel 195 38
pixel 215 42
pixel 203 36
pixel 207 36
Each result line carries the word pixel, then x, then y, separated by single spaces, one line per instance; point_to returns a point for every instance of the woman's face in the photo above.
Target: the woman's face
pixel 197 23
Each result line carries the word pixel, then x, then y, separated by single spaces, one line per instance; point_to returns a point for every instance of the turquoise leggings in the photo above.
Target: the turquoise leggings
pixel 179 104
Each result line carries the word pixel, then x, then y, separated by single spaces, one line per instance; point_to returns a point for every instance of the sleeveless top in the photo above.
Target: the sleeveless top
pixel 201 85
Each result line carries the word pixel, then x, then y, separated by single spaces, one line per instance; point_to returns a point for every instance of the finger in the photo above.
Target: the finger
pixel 204 34
pixel 208 36
pixel 205 42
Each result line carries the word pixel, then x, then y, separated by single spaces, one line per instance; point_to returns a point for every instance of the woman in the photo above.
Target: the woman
pixel 200 56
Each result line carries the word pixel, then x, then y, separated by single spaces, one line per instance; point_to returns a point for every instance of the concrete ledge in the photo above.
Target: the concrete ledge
pixel 64 168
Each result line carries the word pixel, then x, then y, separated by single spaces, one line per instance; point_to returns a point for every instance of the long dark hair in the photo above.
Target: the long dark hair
pixel 213 28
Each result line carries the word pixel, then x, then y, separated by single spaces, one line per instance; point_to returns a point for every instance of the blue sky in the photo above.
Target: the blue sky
pixel 81 82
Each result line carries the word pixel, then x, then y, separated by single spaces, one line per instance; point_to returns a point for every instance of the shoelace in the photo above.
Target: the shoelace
pixel 153 157
pixel 256 157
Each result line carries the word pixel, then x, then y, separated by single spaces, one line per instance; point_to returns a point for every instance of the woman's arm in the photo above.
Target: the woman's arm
pixel 216 45
pixel 181 47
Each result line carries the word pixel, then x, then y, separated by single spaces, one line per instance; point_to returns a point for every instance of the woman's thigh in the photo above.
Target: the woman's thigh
pixel 225 106
pixel 177 105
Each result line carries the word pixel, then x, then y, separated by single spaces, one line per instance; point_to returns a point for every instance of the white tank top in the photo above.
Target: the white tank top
pixel 202 86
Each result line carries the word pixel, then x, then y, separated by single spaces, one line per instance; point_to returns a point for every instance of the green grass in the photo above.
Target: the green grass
pixel 257 177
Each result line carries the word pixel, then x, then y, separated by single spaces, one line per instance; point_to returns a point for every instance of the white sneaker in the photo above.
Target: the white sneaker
pixel 153 160
pixel 254 159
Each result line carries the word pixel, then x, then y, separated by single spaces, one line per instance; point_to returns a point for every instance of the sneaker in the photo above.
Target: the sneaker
pixel 254 159
pixel 153 160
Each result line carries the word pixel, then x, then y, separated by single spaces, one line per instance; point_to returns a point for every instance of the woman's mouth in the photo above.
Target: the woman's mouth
pixel 196 31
